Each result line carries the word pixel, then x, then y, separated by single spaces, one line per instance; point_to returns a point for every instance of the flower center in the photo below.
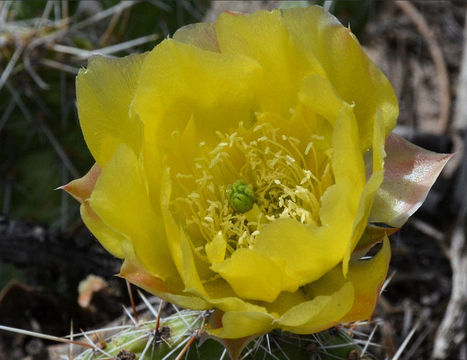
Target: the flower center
pixel 241 196
pixel 282 177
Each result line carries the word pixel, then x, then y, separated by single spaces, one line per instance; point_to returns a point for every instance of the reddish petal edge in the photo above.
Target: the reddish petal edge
pixel 410 172
pixel 373 234
pixel 368 278
pixel 140 277
pixel 137 275
pixel 82 188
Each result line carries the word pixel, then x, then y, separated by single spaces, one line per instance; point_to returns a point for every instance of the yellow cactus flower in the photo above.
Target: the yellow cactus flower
pixel 239 164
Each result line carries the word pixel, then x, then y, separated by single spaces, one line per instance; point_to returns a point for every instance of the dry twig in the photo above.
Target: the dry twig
pixel 452 330
pixel 460 115
pixel 435 50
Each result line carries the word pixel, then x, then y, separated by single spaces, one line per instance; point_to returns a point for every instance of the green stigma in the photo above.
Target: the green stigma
pixel 241 196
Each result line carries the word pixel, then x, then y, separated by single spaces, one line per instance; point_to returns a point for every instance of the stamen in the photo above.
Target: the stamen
pixel 280 180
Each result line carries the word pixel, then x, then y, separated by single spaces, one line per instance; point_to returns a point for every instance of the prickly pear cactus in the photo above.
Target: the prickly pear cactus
pixel 183 336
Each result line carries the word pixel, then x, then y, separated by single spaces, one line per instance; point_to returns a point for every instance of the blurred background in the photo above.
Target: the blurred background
pixel 52 270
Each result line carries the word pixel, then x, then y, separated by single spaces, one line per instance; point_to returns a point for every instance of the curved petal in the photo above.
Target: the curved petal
pixel 347 161
pixel 205 90
pixel 373 234
pixel 250 274
pixel 182 82
pixel 137 275
pixel 369 191
pixel 110 239
pixel 222 297
pixel 341 201
pixel 302 253
pixel 306 253
pixel 81 188
pixel 340 205
pixel 201 35
pixel 179 245
pixel 285 301
pixel 318 94
pixel 234 316
pixel 238 324
pixel 322 312
pixel 215 250
pixel 410 172
pixel 104 91
pixel 366 277
pixel 262 36
pixel 354 76
pixel 121 200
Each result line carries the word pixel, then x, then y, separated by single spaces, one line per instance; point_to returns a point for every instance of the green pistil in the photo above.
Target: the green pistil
pixel 241 196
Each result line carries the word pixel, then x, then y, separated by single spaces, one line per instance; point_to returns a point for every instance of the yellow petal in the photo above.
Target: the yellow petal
pixel 285 301
pixel 104 92
pixel 235 346
pixel 238 318
pixel 172 231
pixel 237 308
pixel 238 324
pixel 340 202
pixel 201 35
pixel 379 137
pixel 263 37
pixel 369 191
pixel 179 245
pixel 319 96
pixel 303 255
pixel 215 89
pixel 191 276
pixel 252 276
pixel 110 239
pixel 81 190
pixel 347 160
pixel 180 82
pixel 215 250
pixel 121 200
pixel 306 121
pixel 366 277
pixel 355 78
pixel 322 312
pixel 233 303
pixel 186 150
pixel 337 213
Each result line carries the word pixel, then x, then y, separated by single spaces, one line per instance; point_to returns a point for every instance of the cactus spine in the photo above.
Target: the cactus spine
pixel 183 336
